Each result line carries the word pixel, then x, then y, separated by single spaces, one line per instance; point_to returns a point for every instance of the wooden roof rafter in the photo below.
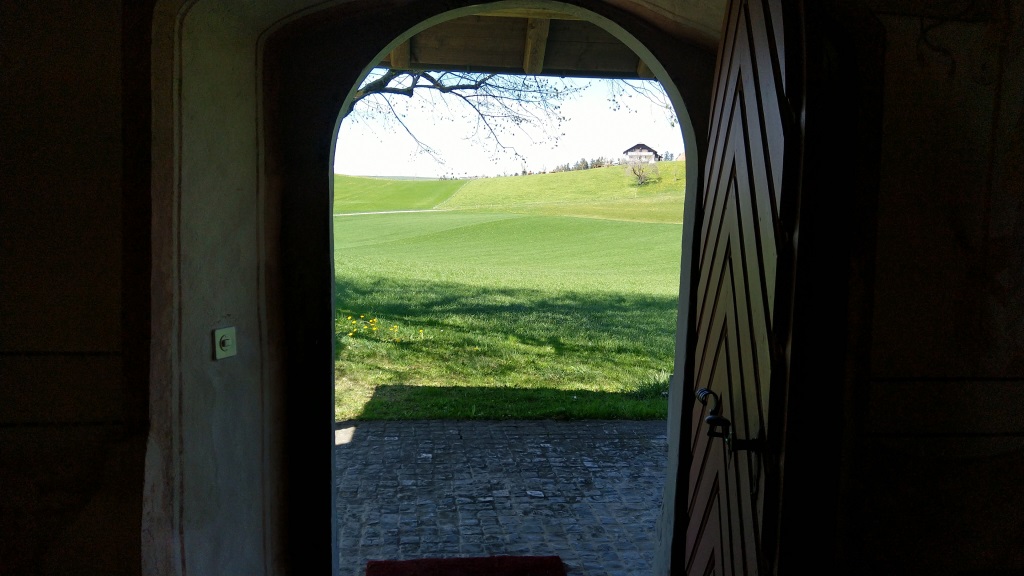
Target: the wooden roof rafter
pixel 519 41
pixel 536 44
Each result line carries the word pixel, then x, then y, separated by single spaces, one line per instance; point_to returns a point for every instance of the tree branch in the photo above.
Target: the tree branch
pixel 500 103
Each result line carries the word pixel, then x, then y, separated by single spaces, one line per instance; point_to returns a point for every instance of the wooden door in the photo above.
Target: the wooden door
pixel 745 244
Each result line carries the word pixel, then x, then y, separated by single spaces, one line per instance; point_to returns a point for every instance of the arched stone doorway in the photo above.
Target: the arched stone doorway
pixel 246 103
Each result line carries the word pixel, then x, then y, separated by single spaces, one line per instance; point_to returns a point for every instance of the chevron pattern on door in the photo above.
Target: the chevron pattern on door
pixel 741 238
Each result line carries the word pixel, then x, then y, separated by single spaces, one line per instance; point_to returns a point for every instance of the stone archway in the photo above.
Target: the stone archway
pixel 246 104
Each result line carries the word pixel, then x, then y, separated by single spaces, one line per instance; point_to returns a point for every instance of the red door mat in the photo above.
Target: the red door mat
pixel 484 566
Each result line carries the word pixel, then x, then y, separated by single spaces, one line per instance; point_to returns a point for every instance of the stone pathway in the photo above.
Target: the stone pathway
pixel 589 492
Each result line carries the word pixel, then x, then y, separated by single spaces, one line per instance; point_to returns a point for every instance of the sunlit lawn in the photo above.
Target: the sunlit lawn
pixel 510 313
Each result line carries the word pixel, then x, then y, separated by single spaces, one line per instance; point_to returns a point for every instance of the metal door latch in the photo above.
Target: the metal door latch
pixel 720 427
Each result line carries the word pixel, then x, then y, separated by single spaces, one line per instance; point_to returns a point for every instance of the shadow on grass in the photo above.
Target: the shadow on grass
pixel 400 402
pixel 541 318
pixel 447 350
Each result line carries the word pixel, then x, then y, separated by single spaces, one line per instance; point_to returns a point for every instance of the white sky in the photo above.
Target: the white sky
pixel 591 130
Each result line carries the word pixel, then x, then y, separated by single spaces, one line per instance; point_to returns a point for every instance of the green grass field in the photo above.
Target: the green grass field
pixel 598 193
pixel 359 194
pixel 520 297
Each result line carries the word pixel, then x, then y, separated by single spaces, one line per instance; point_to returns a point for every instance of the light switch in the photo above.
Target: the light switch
pixel 224 343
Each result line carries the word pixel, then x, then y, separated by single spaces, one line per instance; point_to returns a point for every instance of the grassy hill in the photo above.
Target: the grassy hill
pixel 362 194
pixel 607 193
pixel 546 296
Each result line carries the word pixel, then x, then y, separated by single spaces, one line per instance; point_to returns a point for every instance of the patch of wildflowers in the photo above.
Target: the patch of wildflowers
pixel 363 327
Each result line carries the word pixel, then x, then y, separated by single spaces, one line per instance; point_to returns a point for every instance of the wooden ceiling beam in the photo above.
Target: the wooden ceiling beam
pixel 507 45
pixel 536 45
pixel 401 56
pixel 643 71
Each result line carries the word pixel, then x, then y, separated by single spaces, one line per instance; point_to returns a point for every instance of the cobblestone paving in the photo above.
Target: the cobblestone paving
pixel 589 492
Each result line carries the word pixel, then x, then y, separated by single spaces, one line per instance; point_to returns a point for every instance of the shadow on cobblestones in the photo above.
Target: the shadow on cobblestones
pixel 587 491
pixel 396 401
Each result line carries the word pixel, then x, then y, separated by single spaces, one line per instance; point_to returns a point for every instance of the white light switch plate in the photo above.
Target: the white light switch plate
pixel 224 344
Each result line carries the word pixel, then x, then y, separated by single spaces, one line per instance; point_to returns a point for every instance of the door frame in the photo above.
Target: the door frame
pixel 274 153
pixel 289 53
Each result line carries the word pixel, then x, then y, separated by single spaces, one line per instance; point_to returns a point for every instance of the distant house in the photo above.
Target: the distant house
pixel 642 153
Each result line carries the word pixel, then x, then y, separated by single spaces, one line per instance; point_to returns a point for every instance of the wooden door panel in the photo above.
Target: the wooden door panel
pixel 740 237
pixel 757 200
pixel 721 484
pixel 755 239
pixel 764 77
pixel 706 462
pixel 706 559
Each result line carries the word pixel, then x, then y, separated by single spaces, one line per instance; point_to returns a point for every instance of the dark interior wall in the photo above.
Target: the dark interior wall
pixel 941 457
pixel 942 442
pixel 71 424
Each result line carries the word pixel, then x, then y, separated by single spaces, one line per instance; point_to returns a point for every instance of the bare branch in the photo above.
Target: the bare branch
pixel 502 104
pixel 419 143
pixel 620 91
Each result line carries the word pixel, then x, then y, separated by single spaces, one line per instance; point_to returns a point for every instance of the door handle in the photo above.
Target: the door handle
pixel 720 427
pixel 714 419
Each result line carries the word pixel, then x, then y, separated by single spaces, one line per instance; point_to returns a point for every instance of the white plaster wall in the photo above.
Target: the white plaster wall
pixel 221 413
pixel 209 479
